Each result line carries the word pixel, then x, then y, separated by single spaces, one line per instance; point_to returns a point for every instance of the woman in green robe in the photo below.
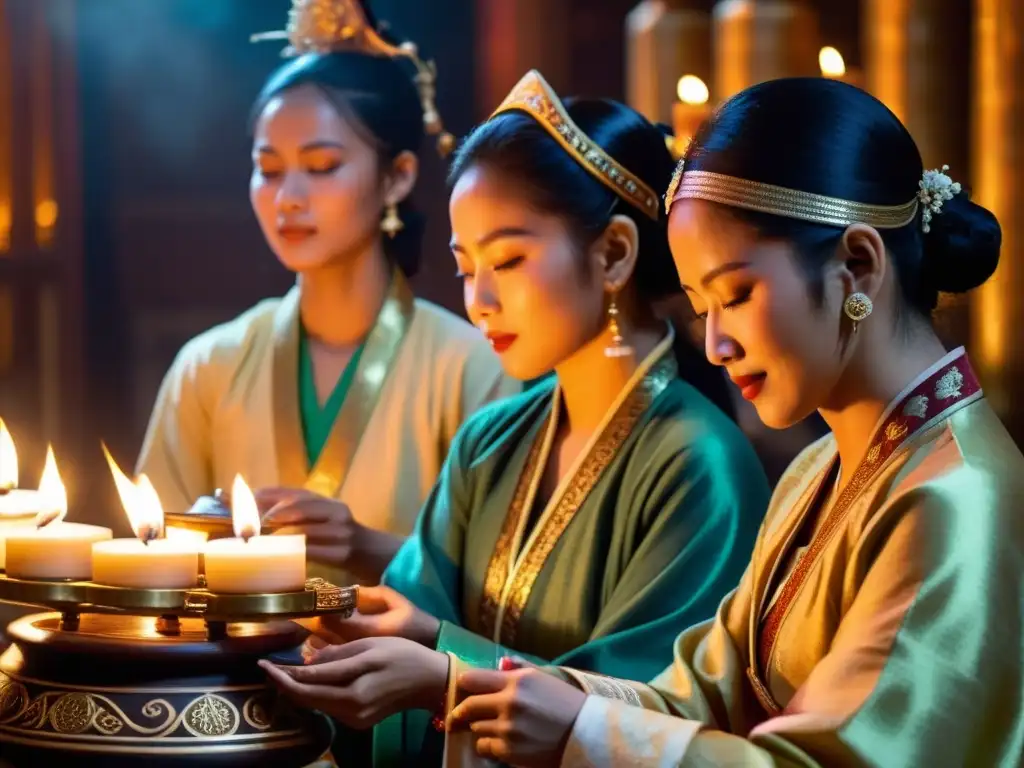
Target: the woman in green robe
pixel 588 520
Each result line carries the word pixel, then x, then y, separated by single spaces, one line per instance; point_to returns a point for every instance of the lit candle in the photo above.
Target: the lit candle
pixel 251 563
pixel 18 506
pixel 833 66
pixel 51 548
pixel 147 561
pixel 690 111
pixel 198 538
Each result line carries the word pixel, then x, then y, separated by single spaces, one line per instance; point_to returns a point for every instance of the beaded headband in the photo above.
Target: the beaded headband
pixel 324 26
pixel 535 97
pixel 934 189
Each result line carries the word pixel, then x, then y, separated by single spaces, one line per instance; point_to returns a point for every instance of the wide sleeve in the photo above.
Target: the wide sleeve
pixel 177 452
pixel 925 667
pixel 427 567
pixel 678 548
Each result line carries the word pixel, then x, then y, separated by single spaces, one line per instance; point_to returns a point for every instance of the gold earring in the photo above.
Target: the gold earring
pixel 391 224
pixel 618 347
pixel 857 307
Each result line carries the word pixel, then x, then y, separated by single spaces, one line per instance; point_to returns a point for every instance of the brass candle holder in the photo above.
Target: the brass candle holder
pixel 112 676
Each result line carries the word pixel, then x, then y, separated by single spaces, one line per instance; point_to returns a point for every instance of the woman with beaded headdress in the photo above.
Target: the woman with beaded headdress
pixel 338 401
pixel 879 622
pixel 591 519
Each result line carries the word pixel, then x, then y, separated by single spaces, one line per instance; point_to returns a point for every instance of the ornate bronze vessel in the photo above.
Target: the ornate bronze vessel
pixel 112 677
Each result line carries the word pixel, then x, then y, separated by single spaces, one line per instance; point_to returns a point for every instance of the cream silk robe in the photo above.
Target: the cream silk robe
pixel 896 640
pixel 230 404
pixel 642 538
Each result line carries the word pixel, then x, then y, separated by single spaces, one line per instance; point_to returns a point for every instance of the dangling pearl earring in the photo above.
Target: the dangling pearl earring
pixel 618 347
pixel 857 307
pixel 391 224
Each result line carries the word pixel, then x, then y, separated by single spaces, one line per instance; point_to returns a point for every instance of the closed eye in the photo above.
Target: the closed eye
pixel 512 263
pixel 742 298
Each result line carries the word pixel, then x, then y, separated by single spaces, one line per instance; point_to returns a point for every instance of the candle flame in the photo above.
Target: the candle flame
pixel 52 495
pixel 186 535
pixel 692 90
pixel 245 514
pixel 830 60
pixel 8 459
pixel 140 501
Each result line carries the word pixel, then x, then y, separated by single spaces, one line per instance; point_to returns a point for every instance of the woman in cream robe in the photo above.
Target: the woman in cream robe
pixel 880 620
pixel 347 389
pixel 232 402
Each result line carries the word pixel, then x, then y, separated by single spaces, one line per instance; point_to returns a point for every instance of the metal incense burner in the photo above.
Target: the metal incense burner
pixel 211 515
pixel 114 676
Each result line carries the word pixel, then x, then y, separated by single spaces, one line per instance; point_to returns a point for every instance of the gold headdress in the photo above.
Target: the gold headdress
pixel 535 97
pixel 934 189
pixel 782 201
pixel 323 26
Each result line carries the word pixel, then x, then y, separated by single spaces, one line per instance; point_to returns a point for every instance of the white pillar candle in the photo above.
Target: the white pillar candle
pixel 160 564
pixel 261 564
pixel 21 509
pixel 12 522
pixel 56 551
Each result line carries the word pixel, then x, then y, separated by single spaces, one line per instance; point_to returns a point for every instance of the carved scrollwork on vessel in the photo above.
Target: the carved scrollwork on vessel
pixel 210 715
pixel 259 711
pixel 72 713
pixel 14 698
pixel 36 707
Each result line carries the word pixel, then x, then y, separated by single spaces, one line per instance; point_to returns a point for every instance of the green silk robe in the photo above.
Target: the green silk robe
pixel 643 538
pixel 894 640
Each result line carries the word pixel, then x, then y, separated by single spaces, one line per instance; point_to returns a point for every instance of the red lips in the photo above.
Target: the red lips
pixel 296 234
pixel 750 385
pixel 501 341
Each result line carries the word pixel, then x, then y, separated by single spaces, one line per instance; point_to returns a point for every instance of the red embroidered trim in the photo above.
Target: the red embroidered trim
pixel 950 385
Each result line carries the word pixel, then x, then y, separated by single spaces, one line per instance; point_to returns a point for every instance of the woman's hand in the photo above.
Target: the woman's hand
pixel 382 612
pixel 333 536
pixel 362 682
pixel 332 533
pixel 523 717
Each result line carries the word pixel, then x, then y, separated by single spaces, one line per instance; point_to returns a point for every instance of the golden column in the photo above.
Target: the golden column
pixel 998 162
pixel 665 39
pixel 916 63
pixel 758 40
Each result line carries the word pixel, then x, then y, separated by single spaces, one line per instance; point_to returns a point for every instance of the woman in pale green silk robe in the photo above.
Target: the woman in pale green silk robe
pixel 880 620
pixel 348 388
pixel 590 519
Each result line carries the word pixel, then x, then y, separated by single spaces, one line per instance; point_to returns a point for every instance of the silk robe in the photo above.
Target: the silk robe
pixel 642 538
pixel 896 640
pixel 230 404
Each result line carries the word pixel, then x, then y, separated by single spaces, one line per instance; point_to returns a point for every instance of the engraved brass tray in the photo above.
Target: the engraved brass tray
pixel 319 598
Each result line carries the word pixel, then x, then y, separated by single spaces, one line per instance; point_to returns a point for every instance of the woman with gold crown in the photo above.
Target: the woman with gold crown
pixel 879 622
pixel 588 520
pixel 340 400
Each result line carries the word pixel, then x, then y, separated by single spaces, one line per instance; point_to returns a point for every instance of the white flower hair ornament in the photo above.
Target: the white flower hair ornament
pixel 935 188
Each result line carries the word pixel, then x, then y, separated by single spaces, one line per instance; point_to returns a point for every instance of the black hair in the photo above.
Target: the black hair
pixel 521 150
pixel 829 138
pixel 380 94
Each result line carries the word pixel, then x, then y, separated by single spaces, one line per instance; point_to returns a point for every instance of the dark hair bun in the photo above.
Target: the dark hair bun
pixel 961 248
